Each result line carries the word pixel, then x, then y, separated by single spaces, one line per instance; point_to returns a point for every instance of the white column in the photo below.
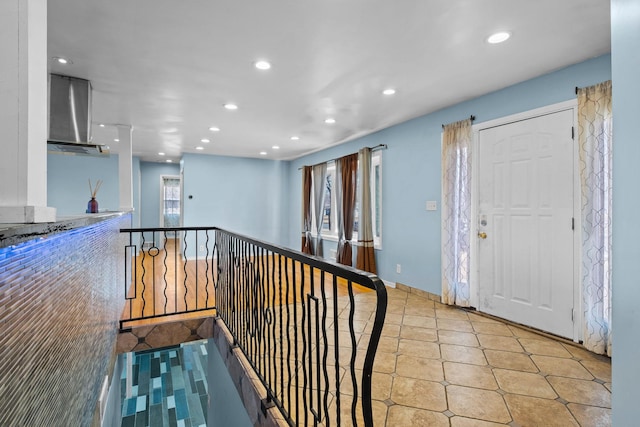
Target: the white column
pixel 125 167
pixel 23 112
pixel 625 62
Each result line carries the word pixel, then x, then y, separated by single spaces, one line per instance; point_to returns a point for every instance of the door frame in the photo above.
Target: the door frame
pixel 474 287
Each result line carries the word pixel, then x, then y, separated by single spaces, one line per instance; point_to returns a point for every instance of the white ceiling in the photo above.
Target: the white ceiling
pixel 166 67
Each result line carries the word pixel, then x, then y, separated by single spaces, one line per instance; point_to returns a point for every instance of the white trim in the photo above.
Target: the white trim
pixel 376 160
pixel 525 115
pixel 577 260
pixel 578 320
pixel 388 283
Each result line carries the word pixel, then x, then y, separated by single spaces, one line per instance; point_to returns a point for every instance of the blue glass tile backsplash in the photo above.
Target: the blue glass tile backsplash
pixel 61 297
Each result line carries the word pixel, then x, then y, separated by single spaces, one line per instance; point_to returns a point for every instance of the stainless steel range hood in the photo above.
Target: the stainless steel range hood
pixel 70 117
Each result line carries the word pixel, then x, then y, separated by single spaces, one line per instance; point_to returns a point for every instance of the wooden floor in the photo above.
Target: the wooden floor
pixel 166 286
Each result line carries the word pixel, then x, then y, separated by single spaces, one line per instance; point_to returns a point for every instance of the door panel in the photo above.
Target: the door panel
pixel 525 207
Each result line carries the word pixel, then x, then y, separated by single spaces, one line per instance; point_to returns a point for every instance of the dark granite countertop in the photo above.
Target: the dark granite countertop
pixel 12 234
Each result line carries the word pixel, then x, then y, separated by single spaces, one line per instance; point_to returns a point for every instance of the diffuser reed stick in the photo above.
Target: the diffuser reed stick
pixel 94 191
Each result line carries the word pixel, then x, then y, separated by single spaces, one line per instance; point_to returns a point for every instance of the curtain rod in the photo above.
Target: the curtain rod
pixel 472 118
pixel 377 147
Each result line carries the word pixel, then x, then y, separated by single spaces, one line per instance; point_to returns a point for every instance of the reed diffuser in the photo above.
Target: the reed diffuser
pixel 92 206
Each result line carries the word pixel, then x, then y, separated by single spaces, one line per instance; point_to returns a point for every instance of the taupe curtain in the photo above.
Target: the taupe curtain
pixel 346 169
pixel 595 139
pixel 456 210
pixel 366 257
pixel 319 192
pixel 307 247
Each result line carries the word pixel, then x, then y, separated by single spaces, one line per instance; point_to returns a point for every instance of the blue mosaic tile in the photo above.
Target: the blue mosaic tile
pixel 142 419
pixel 144 363
pixel 141 403
pixel 172 418
pixel 170 390
pixel 129 421
pixel 156 397
pixel 155 415
pixel 182 408
pixel 129 407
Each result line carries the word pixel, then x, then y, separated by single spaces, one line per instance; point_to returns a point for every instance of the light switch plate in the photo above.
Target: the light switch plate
pixel 432 205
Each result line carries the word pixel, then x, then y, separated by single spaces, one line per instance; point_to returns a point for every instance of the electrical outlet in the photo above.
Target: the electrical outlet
pixel 202 248
pixel 398 268
pixel 432 205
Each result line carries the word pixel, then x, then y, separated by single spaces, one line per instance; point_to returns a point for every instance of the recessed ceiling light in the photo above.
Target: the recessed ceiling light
pixel 231 106
pixel 205 140
pixel 101 125
pixel 199 148
pixel 295 138
pixel 214 129
pixel 262 65
pixel 169 161
pixel 498 37
pixel 63 61
pixel 116 139
pixel 276 147
pixel 330 121
pixel 389 91
pixel 263 153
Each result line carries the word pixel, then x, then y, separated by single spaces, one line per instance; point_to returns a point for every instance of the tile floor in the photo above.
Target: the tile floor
pixel 436 366
pixel 442 366
pixel 168 387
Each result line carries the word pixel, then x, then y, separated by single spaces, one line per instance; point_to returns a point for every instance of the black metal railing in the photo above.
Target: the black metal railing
pixel 168 271
pixel 309 328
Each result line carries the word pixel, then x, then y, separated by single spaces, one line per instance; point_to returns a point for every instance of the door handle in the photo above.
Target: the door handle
pixel 482 235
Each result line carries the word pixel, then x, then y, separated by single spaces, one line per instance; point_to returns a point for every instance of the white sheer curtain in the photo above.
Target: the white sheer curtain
pixel 319 190
pixel 366 256
pixel 595 137
pixel 456 211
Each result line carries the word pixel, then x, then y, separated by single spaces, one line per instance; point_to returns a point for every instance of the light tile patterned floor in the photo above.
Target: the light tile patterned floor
pixel 442 366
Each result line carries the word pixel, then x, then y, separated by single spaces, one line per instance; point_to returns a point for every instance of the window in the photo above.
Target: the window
pixel 326 217
pixel 376 197
pixel 170 201
pixel 329 218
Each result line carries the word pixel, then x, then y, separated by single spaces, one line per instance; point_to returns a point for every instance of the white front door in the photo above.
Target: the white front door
pixel 525 222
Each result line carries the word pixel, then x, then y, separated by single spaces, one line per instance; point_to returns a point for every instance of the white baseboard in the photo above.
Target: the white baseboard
pixel 389 284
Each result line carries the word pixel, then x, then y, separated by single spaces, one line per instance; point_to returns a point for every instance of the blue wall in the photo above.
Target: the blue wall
pixel 150 190
pixel 625 42
pixel 243 195
pixel 68 185
pixel 412 173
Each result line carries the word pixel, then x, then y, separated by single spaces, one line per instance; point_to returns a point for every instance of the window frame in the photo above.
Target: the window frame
pixel 332 233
